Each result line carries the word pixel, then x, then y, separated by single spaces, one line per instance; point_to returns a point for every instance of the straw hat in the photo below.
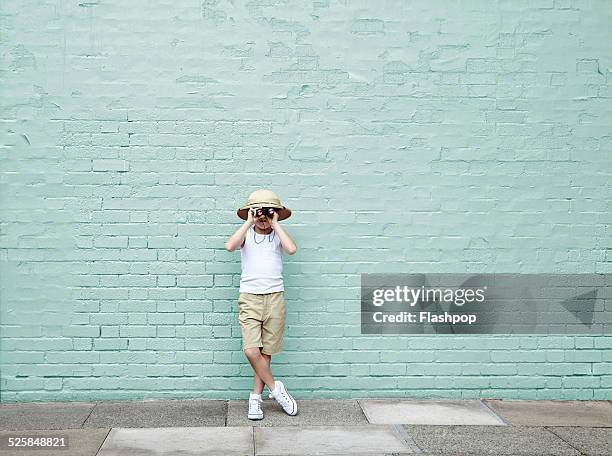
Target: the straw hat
pixel 264 198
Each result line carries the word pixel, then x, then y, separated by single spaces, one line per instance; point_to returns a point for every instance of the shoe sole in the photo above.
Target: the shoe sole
pixel 255 418
pixel 292 400
pixel 270 396
pixel 294 407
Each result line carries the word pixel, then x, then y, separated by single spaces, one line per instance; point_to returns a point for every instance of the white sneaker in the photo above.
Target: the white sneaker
pixel 285 399
pixel 255 411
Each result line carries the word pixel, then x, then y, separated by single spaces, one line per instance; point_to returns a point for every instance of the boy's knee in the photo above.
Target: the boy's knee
pixel 267 357
pixel 252 352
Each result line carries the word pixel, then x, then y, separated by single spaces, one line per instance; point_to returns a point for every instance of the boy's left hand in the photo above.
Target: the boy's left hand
pixel 274 218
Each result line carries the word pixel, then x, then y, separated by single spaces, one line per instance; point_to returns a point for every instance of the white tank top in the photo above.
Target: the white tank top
pixel 262 263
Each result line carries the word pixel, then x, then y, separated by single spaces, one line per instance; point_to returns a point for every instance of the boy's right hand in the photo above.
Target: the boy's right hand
pixel 251 216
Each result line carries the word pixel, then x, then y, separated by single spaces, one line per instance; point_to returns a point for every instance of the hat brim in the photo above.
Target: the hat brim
pixel 283 212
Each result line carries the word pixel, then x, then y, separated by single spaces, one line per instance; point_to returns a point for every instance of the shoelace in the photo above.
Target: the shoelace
pixel 255 404
pixel 285 396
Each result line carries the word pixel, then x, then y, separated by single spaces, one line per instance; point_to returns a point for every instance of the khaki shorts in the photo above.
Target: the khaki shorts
pixel 262 321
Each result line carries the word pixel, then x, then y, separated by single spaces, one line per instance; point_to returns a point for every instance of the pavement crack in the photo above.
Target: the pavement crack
pixel 401 432
pixel 103 440
pixel 551 430
pixel 492 410
pixel 90 412
pixel 253 439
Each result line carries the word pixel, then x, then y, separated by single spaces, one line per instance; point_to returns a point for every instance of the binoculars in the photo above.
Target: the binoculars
pixel 267 211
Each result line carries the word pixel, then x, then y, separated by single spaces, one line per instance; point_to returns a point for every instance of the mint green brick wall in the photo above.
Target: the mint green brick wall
pixel 424 136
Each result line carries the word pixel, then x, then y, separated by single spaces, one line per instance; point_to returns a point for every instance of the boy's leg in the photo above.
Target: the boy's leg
pixel 260 365
pixel 251 308
pixel 258 384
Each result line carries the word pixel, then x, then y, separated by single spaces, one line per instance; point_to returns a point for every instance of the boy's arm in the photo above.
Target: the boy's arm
pixel 237 239
pixel 286 241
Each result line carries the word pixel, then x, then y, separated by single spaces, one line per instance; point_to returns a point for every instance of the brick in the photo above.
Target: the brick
pixel 401 144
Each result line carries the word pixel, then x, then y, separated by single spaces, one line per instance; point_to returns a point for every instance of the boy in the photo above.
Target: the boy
pixel 262 311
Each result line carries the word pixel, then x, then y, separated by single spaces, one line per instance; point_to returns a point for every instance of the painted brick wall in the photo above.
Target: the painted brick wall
pixel 421 136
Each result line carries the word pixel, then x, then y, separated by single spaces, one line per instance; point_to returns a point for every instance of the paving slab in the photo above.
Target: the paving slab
pixel 591 441
pixel 323 412
pixel 553 413
pixel 429 412
pixel 330 440
pixel 44 415
pixel 184 441
pixel 81 442
pixel 488 440
pixel 153 414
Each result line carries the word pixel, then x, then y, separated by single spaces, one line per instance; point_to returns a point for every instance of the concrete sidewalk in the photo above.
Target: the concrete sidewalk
pixel 322 427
